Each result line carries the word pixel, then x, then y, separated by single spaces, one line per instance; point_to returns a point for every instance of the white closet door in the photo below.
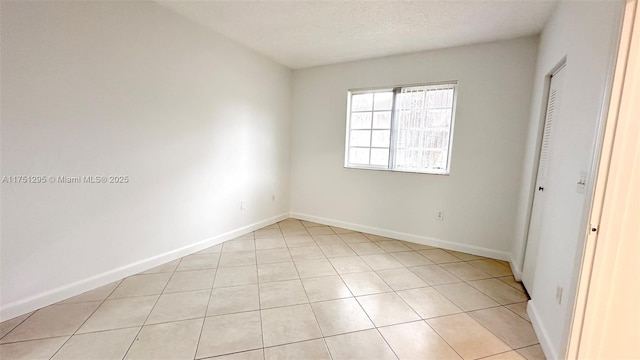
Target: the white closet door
pixel 536 222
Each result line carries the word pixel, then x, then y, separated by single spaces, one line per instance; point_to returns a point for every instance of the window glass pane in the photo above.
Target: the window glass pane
pixel 359 156
pixel 360 138
pixel 380 138
pixel 362 102
pixel 361 120
pixel 383 100
pixel 382 120
pixel 380 157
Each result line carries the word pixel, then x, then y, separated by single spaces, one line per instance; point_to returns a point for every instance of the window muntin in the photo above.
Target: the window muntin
pixel 401 129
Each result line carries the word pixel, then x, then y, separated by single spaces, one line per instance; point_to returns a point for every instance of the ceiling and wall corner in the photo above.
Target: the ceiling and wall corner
pixel 302 34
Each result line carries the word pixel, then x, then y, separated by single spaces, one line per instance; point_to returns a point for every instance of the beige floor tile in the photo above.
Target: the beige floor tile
pixel 362 345
pixel 401 279
pixel 191 280
pixel 180 306
pixel 314 268
pixel 233 299
pixel 466 297
pixel 268 233
pixel 416 247
pixel 417 340
pixel 175 340
pixel 308 224
pixel 226 334
pixel 294 232
pixel 464 256
pixel 277 272
pixel 499 291
pixel 169 267
pixel 465 271
pixel 365 283
pixel 320 230
pixel 237 258
pixel 376 238
pixel 199 262
pixel 103 345
pixel 212 249
pixel 249 235
pixel 349 264
pixel 245 355
pixel 339 230
pixel 10 324
pixel 434 275
pixel 492 267
pixel 366 248
pixel 393 246
pixel 32 350
pixel 299 241
pixel 467 337
pixel 306 253
pixel 341 316
pixel 312 349
pixel 333 251
pixel 236 276
pixel 141 285
pixel 325 288
pixel 354 238
pixel 520 309
pixel 509 327
pixel 289 324
pixel 238 245
pixel 411 258
pixel 273 256
pixel 267 244
pixel 282 293
pixel 387 309
pixel 511 281
pixel 120 313
pixel 272 226
pixel 509 355
pixel 52 321
pixel 439 256
pixel 322 240
pixel 428 302
pixel 381 261
pixel 532 353
pixel 97 294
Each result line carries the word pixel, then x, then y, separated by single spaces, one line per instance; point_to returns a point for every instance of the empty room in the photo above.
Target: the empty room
pixel 319 179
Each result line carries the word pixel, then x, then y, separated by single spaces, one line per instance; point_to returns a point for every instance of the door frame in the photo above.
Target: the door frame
pixel 610 237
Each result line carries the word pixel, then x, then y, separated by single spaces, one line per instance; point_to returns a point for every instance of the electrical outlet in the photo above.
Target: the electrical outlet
pixel 440 215
pixel 243 205
pixel 559 290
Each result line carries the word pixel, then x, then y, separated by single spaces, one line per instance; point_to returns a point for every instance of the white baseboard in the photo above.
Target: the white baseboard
pixel 542 334
pixel 515 269
pixel 424 240
pixel 38 301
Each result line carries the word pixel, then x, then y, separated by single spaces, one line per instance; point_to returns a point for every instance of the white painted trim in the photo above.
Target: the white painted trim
pixel 35 302
pixel 424 240
pixel 542 334
pixel 517 273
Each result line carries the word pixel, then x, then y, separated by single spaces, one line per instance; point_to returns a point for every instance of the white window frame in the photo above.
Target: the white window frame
pixel 392 146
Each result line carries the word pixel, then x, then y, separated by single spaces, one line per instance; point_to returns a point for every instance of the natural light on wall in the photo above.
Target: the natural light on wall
pixel 401 128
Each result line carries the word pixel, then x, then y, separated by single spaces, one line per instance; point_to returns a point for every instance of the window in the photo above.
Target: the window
pixel 401 129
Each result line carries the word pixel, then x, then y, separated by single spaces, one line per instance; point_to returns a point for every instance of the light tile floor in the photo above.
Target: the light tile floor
pixel 292 290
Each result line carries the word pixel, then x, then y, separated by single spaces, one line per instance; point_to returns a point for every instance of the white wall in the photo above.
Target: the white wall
pixel 197 122
pixel 479 197
pixel 585 33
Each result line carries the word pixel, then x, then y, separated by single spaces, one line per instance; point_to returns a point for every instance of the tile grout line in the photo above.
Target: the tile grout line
pixel 135 338
pixel 204 319
pixel 87 319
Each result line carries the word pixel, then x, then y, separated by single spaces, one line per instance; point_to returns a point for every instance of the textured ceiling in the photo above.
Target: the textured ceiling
pixel 301 34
